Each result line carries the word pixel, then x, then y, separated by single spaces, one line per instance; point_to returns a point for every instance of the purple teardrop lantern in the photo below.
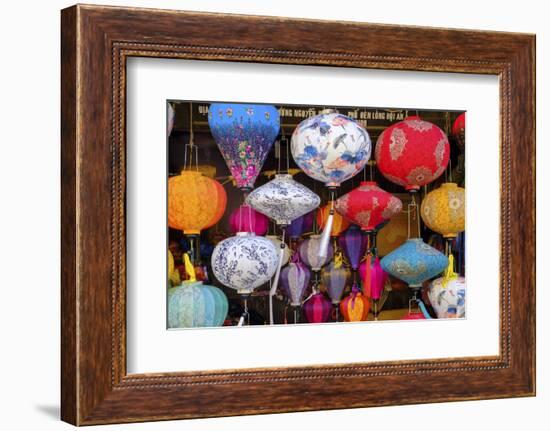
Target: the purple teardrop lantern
pixel 354 243
pixel 294 280
pixel 300 225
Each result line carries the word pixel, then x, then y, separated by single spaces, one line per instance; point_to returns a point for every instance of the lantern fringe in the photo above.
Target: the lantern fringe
pixel 189 269
pixel 449 273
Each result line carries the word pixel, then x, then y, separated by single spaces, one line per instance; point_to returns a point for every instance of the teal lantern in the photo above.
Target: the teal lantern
pixel 193 305
pixel 414 262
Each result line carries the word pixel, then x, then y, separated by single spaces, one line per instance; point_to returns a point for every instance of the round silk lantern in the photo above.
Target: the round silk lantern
pixel 294 280
pixel 244 262
pixel 283 199
pixel 368 205
pixel 448 297
pixel 378 279
pixel 334 278
pixel 309 253
pixel 193 304
pixel 414 262
pixel 339 223
pixel 246 219
pixel 300 225
pixel 317 309
pixel 277 243
pixel 245 134
pixel 330 147
pixel 195 202
pixel 355 307
pixel 443 210
pixel 412 153
pixel 354 244
pixel 459 130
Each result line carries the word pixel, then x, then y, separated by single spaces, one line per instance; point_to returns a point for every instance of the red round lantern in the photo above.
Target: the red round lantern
pixel 459 130
pixel 412 153
pixel 368 205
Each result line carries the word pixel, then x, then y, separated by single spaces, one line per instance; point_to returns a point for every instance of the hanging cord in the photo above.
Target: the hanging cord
pixel 273 288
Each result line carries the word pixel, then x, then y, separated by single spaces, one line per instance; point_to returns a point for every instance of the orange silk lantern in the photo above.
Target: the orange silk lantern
pixel 195 202
pixel 355 307
pixel 339 223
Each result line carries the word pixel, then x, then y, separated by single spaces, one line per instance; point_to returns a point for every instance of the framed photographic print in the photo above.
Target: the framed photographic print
pixel 286 212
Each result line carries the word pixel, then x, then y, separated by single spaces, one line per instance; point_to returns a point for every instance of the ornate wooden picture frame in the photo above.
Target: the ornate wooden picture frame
pixel 96 41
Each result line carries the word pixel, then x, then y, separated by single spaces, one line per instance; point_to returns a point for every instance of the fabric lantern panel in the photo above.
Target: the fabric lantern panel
pixel 294 281
pixel 339 223
pixel 244 134
pixel 330 147
pixel 354 244
pixel 368 205
pixel 414 262
pixel 309 253
pixel 448 297
pixel 443 210
pixel 301 225
pixel 412 153
pixel 378 278
pixel 334 278
pixel 317 309
pixel 244 262
pixel 246 219
pixel 355 307
pixel 193 304
pixel 195 202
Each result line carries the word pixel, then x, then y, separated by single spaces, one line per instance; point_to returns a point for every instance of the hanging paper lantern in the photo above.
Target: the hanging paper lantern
pixel 244 262
pixel 193 304
pixel 300 225
pixel 171 115
pixel 368 205
pixel 448 297
pixel 309 253
pixel 246 219
pixel 354 244
pixel 277 243
pixel 378 278
pixel 245 134
pixel 317 309
pixel 414 262
pixel 330 147
pixel 355 307
pixel 339 223
pixel 295 280
pixel 443 210
pixel 283 199
pixel 195 202
pixel 412 153
pixel 459 130
pixel 334 278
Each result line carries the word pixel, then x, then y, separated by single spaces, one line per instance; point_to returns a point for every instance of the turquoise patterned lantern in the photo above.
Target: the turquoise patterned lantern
pixel 193 304
pixel 414 262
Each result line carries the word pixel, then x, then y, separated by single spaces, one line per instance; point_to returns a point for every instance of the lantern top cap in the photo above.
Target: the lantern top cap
pixel 245 234
pixel 449 185
pixel 368 183
pixel 412 117
pixel 283 176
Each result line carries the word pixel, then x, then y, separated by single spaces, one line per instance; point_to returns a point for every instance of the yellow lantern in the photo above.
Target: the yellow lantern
pixel 443 210
pixel 195 202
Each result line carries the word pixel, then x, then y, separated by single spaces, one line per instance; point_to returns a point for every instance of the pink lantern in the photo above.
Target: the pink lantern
pixel 246 219
pixel 378 278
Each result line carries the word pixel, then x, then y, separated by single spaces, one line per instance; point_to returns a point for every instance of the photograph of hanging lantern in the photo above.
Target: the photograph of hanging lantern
pixel 448 297
pixel 412 153
pixel 355 307
pixel 334 278
pixel 244 134
pixel 443 210
pixel 353 243
pixel 331 148
pixel 246 219
pixel 317 309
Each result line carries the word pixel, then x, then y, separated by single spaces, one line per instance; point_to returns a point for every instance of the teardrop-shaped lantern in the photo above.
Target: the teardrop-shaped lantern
pixel 334 278
pixel 309 253
pixel 246 219
pixel 317 309
pixel 245 134
pixel 443 210
pixel 339 223
pixel 378 278
pixel 283 199
pixel 195 202
pixel 330 147
pixel 414 262
pixel 355 307
pixel 295 280
pixel 448 297
pixel 300 225
pixel 354 244
pixel 193 304
pixel 368 205
pixel 412 153
pixel 244 262
pixel 277 243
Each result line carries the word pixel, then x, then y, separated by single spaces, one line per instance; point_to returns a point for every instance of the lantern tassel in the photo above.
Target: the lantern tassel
pixel 189 269
pixel 325 238
pixel 449 273
pixel 276 278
